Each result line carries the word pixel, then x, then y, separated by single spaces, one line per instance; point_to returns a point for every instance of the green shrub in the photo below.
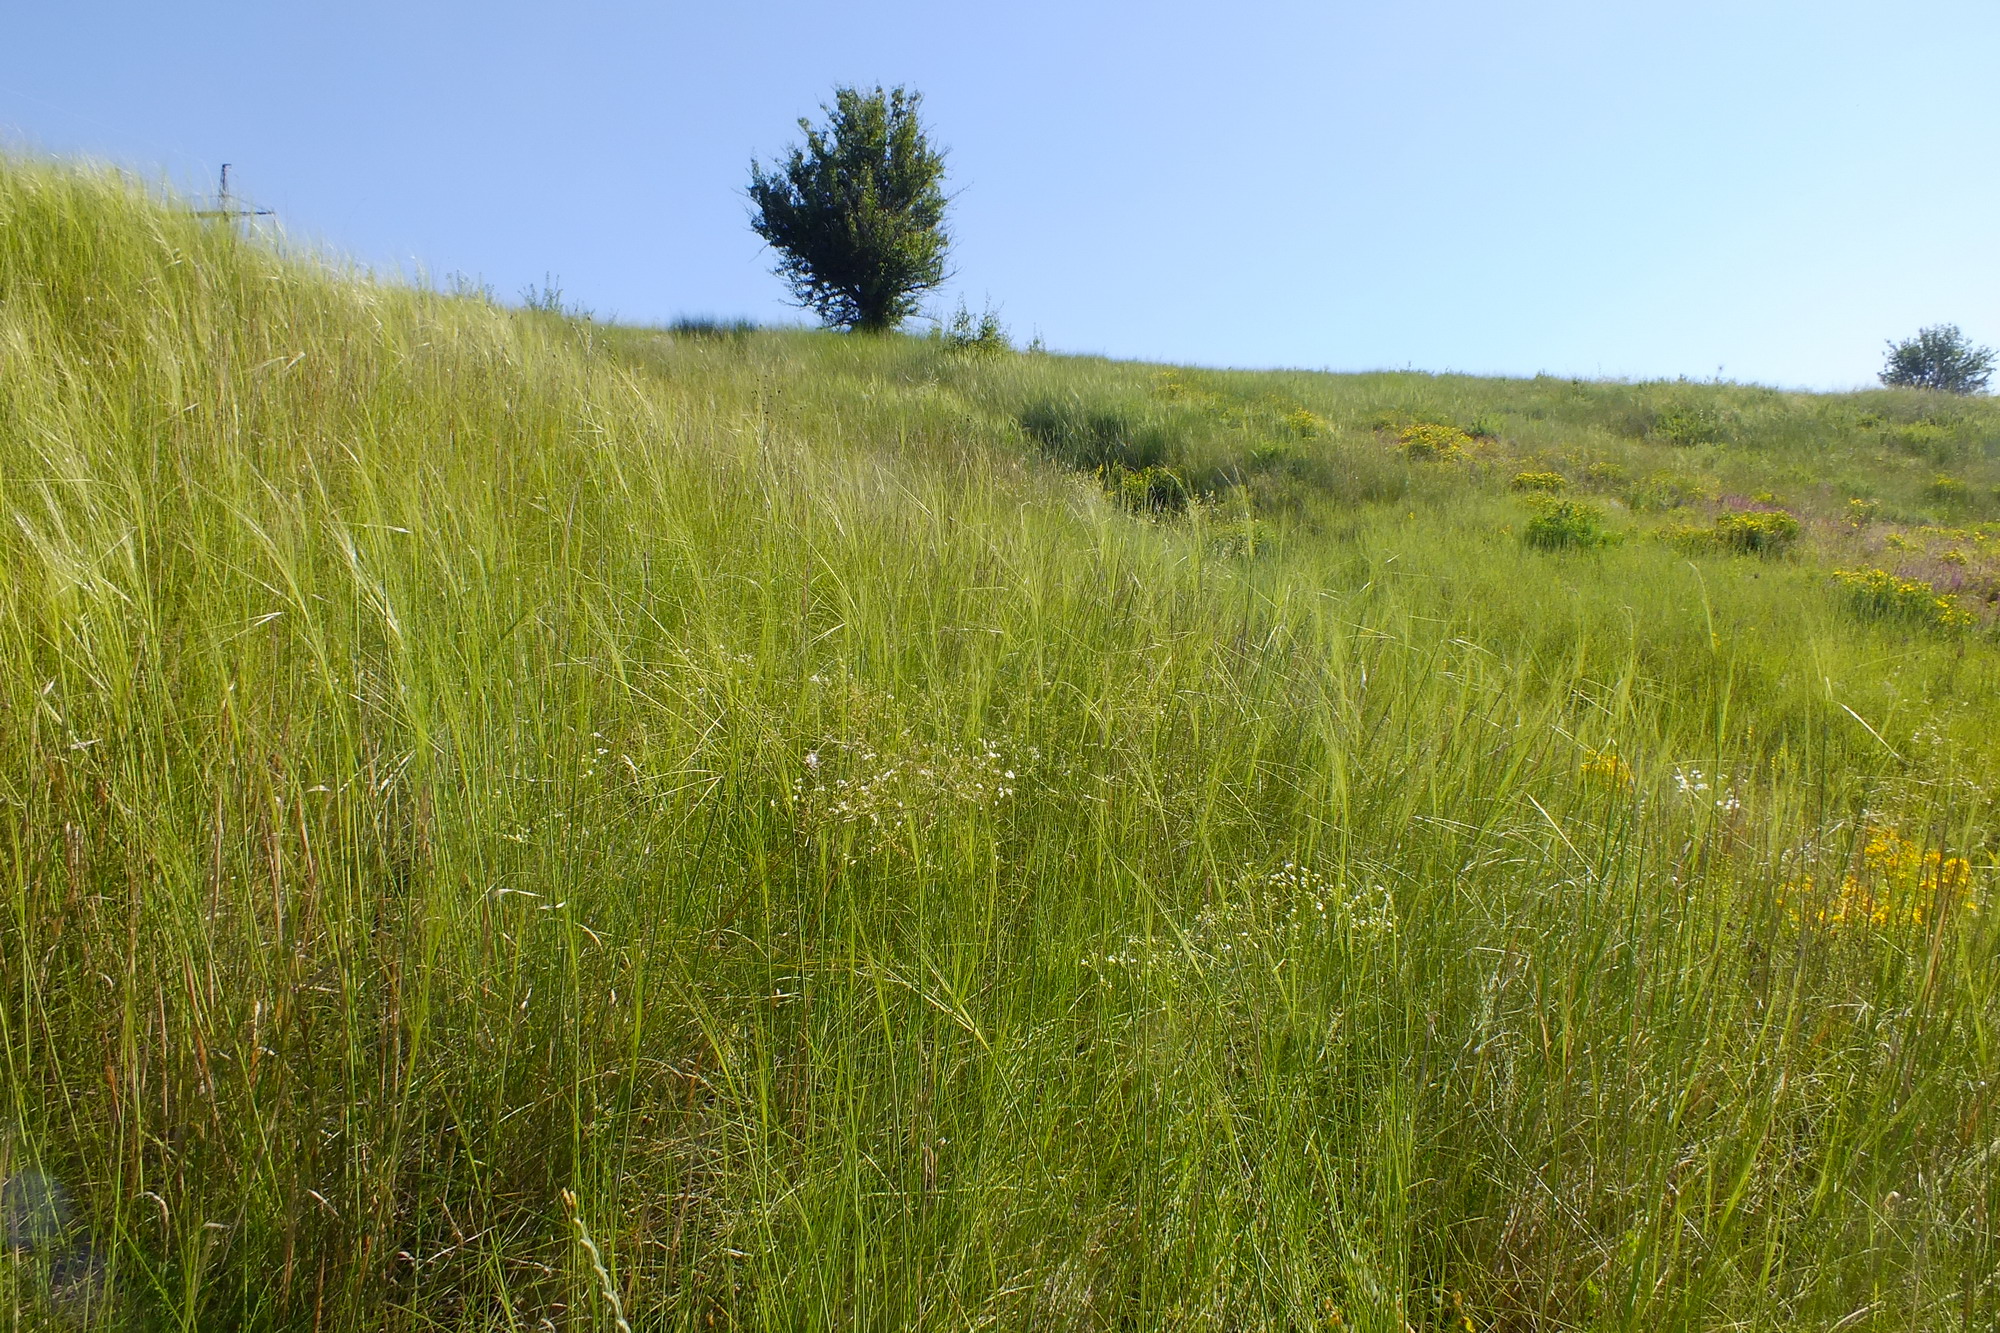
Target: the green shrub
pixel 1687 425
pixel 1757 532
pixel 1566 525
pixel 975 335
pixel 1948 491
pixel 1545 482
pixel 1147 490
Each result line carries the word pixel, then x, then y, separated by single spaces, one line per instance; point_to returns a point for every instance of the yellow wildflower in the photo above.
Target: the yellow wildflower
pixel 1429 443
pixel 1607 769
pixel 1897 883
pixel 1306 423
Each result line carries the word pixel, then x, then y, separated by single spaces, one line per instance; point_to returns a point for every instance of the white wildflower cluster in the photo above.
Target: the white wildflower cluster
pixel 881 794
pixel 1136 953
pixel 1273 917
pixel 1304 894
pixel 599 749
pixel 1693 784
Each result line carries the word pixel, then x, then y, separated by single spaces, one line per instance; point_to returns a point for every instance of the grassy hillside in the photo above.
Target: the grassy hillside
pixel 512 823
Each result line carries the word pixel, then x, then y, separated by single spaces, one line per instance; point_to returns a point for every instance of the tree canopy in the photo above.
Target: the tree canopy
pixel 1940 357
pixel 856 213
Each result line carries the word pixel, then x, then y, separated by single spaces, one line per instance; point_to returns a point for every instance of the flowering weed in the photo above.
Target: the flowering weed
pixel 1757 531
pixel 1896 883
pixel 1880 595
pixel 1429 442
pixel 1566 525
pixel 1604 768
pixel 877 797
pixel 1546 483
pixel 1306 424
pixel 1147 490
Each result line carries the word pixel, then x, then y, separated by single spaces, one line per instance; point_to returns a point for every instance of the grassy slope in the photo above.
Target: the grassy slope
pixel 451 757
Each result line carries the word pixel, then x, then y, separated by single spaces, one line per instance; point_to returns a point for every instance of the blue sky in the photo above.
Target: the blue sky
pixel 1766 188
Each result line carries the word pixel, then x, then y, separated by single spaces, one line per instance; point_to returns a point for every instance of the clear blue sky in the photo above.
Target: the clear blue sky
pixel 1587 187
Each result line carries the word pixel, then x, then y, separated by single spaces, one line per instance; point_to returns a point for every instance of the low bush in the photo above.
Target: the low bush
pixel 1566 525
pixel 1428 442
pixel 1306 423
pixel 1949 491
pixel 1547 483
pixel 1147 490
pixel 1757 532
pixel 1687 425
pixel 1879 595
pixel 968 334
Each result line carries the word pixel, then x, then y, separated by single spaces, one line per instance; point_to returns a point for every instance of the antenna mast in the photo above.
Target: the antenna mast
pixel 226 207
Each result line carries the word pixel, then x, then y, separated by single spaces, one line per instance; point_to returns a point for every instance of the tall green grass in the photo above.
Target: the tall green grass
pixel 475 780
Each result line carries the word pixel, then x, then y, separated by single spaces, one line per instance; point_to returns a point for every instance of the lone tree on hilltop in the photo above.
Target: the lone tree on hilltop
pixel 857 214
pixel 1939 358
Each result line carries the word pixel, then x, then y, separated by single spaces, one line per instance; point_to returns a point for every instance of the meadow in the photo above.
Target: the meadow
pixel 514 822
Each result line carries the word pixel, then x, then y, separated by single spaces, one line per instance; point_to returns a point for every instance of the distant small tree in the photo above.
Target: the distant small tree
pixel 856 214
pixel 1940 357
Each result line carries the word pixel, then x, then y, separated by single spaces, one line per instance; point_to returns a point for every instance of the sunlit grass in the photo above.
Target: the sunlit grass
pixel 475 780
